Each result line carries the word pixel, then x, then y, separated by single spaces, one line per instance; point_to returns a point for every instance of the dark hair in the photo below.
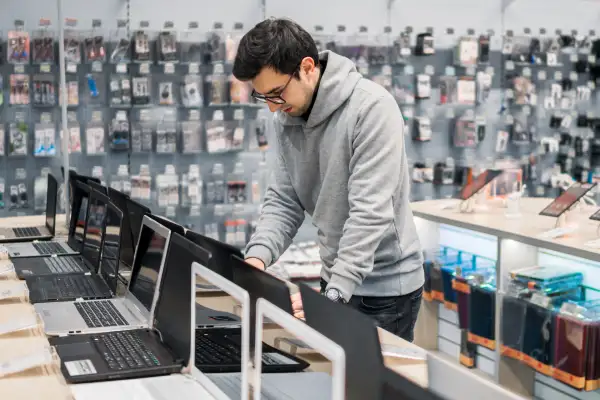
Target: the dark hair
pixel 277 43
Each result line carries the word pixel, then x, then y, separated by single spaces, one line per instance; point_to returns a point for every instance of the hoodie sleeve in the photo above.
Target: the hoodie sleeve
pixel 280 218
pixel 375 173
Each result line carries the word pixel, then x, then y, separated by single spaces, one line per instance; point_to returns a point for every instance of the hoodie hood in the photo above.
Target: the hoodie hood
pixel 336 86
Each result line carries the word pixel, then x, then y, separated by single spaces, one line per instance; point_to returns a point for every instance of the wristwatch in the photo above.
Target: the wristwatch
pixel 334 295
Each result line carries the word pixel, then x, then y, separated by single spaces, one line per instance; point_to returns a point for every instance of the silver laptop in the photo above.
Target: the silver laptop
pixel 280 386
pixel 72 244
pixel 30 233
pixel 449 380
pixel 132 311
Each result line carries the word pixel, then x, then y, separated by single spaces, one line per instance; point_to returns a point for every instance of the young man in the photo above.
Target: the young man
pixel 341 159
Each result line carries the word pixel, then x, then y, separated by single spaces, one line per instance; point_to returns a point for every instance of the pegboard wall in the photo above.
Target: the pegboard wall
pixel 378 25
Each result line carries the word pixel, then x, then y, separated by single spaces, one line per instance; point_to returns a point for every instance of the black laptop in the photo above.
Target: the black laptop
pixel 54 282
pixel 164 348
pixel 135 213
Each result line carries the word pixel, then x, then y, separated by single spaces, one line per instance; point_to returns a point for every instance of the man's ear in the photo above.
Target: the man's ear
pixel 307 65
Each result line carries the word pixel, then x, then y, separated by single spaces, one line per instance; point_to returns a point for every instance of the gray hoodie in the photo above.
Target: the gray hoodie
pixel 346 167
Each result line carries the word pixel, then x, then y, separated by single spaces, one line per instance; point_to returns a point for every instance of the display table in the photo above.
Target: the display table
pixel 514 241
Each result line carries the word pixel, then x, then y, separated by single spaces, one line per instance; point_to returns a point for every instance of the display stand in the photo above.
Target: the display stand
pixel 514 244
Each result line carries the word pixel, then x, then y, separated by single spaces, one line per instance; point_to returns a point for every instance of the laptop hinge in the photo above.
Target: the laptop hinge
pixel 176 358
pixel 79 299
pixel 88 273
pixel 53 255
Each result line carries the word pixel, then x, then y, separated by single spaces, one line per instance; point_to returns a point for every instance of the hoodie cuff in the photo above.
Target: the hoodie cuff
pixel 261 252
pixel 345 285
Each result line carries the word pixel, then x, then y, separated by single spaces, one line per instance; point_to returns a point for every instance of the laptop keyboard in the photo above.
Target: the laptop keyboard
pixel 71 286
pixel 101 313
pixel 26 232
pixel 49 248
pixel 124 350
pixel 64 265
pixel 216 350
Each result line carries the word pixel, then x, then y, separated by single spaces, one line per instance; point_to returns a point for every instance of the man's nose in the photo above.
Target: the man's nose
pixel 273 107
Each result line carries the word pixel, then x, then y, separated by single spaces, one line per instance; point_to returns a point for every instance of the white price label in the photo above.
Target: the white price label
pixel 145 68
pixel 80 367
pixel 470 71
pixel 489 71
pixel 386 70
pixel 193 68
pixel 509 65
pixel 429 70
pixel 126 186
pixel 509 94
pixel 592 59
pixel 558 76
pixel 19 69
pixel 573 58
pixel 450 71
pixel 573 76
pixel 72 68
pixel 409 70
pixel 541 75
pixel 45 68
pixel 121 68
pixel 169 68
pixel 526 72
pixel 96 66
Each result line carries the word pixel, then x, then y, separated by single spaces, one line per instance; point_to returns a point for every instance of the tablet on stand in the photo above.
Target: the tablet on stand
pixel 562 206
pixel 471 191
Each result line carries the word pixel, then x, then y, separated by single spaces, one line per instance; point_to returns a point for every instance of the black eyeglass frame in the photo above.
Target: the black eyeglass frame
pixel 275 99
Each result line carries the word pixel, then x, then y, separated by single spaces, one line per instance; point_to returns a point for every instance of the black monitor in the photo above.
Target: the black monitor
pixel 51 198
pixel 173 312
pixel 395 386
pixel 136 212
pixel 93 235
pixel 221 253
pixel 145 273
pixel 356 334
pixel 566 200
pixel 127 245
pixel 109 255
pixel 484 178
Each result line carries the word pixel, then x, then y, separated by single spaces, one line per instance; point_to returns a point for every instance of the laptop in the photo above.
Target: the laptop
pixel 131 311
pixel 234 383
pixel 356 333
pixel 30 233
pixel 308 385
pixel 449 380
pixel 220 257
pixel 70 246
pixel 165 347
pixel 219 347
pixel 72 277
pixel 136 212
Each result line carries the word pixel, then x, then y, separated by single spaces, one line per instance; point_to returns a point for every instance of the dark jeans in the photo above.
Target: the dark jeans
pixel 397 314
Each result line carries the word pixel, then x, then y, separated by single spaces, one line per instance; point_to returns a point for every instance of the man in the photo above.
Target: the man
pixel 341 159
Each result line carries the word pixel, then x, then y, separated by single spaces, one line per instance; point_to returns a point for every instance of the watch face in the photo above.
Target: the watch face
pixel 333 294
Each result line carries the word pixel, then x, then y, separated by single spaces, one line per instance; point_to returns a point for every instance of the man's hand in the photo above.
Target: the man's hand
pixel 297 306
pixel 256 263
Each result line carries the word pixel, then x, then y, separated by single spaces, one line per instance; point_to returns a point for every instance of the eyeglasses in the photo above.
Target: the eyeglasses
pixel 275 99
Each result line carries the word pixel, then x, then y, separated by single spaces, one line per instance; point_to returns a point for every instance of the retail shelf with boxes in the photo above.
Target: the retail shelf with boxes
pixel 509 296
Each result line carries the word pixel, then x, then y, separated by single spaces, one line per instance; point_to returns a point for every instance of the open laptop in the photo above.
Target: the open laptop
pixel 220 257
pixel 308 385
pixel 219 347
pixel 131 311
pixel 30 233
pixel 165 347
pixel 136 212
pixel 72 277
pixel 449 380
pixel 356 333
pixel 70 246
pixel 234 383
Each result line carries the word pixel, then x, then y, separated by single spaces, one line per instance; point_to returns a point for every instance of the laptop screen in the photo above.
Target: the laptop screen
pixel 78 215
pixel 151 249
pixel 94 228
pixel 136 213
pixel 51 203
pixel 109 258
pixel 221 253
pixel 97 186
pixel 173 314
pixel 127 248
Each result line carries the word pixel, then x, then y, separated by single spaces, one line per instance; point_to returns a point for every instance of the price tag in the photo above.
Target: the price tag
pixel 219 210
pixel 170 212
pixel 193 68
pixel 121 68
pixel 45 68
pixel 35 359
pixel 195 211
pixel 145 68
pixel 386 70
pixel 21 323
pixel 510 94
pixel 429 70
pixel 470 71
pixel 541 75
pixel 169 68
pixel 526 72
pixel 409 70
pixel 573 76
pixel 573 58
pixel 592 59
pixel 540 300
pixel 449 71
pixel 72 68
pixel 194 115
pixel 489 70
pixel 127 186
pixel 96 66
pixel 509 65
pixel 558 76
pixel 19 69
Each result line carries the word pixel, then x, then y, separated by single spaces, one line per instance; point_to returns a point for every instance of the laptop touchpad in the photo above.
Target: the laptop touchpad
pixel 76 349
